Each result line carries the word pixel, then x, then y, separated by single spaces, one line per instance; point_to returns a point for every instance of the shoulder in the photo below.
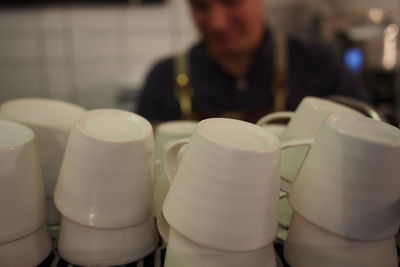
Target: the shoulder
pixel 165 67
pixel 161 68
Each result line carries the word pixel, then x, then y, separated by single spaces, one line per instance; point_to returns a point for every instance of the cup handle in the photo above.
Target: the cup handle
pixel 285 184
pixel 275 116
pixel 172 157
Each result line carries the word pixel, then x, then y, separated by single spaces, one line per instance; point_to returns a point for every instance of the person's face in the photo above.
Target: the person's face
pixel 229 26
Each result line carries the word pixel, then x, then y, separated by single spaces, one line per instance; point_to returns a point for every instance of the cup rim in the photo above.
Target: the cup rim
pixel 30 135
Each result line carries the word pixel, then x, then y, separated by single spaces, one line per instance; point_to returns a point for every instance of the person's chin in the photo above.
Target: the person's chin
pixel 226 48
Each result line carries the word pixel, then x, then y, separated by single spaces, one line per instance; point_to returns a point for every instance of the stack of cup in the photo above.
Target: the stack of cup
pixel 223 199
pixel 104 191
pixel 346 196
pixel 305 122
pixel 24 239
pixel 51 120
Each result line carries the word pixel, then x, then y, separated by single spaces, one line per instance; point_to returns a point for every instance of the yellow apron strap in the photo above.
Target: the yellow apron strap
pixel 183 89
pixel 279 85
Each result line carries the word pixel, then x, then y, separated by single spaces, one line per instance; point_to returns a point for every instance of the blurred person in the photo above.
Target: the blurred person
pixel 240 69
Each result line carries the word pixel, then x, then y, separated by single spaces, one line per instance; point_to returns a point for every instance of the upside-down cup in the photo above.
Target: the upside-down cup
pixel 349 182
pixel 51 120
pixel 304 122
pixel 225 192
pixel 22 205
pixel 106 175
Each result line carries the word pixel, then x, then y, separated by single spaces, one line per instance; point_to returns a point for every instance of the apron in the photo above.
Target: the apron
pixel 184 91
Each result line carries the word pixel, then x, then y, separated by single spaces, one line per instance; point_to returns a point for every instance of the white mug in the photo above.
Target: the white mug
pixel 51 120
pixel 305 122
pixel 107 171
pixel 349 182
pixel 182 252
pixel 23 204
pixel 308 245
pixel 226 188
pixel 166 133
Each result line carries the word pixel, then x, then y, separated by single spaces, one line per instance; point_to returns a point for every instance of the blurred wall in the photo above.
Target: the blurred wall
pixel 86 55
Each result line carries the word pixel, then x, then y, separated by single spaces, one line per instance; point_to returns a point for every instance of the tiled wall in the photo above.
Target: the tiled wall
pixel 86 55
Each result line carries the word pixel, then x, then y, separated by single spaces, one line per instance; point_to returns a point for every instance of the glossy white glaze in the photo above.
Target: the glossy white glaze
pixel 182 252
pixel 349 182
pixel 51 120
pixel 89 246
pixel 106 178
pixel 308 245
pixel 29 250
pixel 21 183
pixel 225 191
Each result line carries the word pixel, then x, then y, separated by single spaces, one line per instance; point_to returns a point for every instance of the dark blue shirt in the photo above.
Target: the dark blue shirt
pixel 313 70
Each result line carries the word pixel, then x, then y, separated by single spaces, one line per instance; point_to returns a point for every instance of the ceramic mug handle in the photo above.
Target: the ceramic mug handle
pixel 285 184
pixel 172 157
pixel 275 116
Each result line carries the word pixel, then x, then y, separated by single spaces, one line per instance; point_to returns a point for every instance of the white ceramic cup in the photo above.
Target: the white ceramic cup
pixel 27 251
pixel 51 120
pixel 305 122
pixel 22 205
pixel 182 252
pixel 308 245
pixel 275 128
pixel 349 182
pixel 89 246
pixel 170 131
pixel 106 175
pixel 165 133
pixel 225 191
